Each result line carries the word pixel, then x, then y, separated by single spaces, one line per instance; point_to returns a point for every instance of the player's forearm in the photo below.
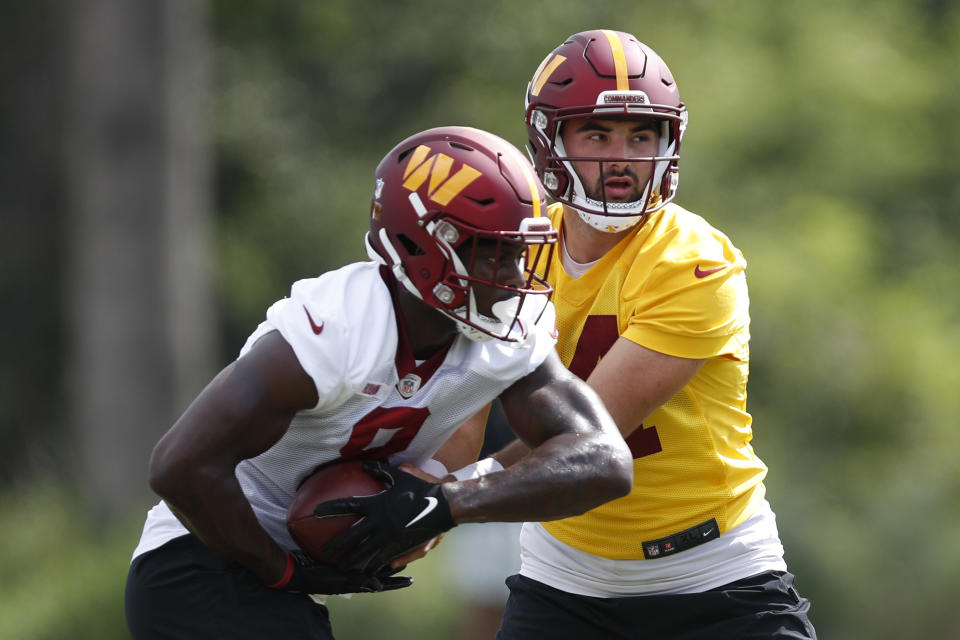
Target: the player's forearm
pixel 211 504
pixel 577 458
pixel 511 454
pixel 565 476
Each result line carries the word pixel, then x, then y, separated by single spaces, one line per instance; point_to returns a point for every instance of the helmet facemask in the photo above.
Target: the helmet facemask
pixel 460 293
pixel 564 183
pixel 511 307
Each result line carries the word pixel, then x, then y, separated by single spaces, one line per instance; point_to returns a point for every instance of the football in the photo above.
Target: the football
pixel 337 480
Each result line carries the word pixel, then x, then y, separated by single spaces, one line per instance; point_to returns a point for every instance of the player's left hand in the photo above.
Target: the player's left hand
pixel 399 522
pixel 303 575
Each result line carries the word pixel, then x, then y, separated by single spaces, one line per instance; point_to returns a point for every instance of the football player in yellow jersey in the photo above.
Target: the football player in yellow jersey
pixel 652 309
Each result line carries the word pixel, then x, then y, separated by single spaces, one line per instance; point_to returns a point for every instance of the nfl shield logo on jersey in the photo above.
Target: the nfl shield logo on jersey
pixel 409 385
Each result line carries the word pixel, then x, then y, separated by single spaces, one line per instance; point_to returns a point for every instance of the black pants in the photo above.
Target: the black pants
pixel 185 590
pixel 761 606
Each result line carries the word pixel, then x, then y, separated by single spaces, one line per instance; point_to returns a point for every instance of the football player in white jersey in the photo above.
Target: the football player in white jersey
pixel 380 361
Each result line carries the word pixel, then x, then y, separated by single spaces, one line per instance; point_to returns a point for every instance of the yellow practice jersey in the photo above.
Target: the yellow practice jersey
pixel 677 286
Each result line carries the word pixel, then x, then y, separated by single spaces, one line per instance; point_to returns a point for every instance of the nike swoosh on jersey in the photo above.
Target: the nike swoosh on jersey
pixel 703 273
pixel 317 328
pixel 431 505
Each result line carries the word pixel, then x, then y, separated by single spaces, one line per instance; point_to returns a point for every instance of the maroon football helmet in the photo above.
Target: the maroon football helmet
pixel 607 74
pixel 443 191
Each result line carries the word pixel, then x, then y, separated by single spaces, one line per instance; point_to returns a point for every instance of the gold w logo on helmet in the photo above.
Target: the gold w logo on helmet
pixel 443 187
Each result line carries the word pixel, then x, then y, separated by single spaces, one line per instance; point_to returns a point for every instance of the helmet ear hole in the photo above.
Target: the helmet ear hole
pixel 411 247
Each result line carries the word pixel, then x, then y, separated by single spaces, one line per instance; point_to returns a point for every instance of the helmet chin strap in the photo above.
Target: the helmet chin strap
pixel 501 325
pixel 610 224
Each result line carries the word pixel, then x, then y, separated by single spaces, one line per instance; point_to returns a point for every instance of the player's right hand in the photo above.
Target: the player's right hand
pixel 305 575
pixel 421 551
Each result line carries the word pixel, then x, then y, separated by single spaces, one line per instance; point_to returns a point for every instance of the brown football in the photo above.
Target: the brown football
pixel 337 480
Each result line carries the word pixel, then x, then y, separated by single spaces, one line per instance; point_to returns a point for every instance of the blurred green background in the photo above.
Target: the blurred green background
pixel 168 169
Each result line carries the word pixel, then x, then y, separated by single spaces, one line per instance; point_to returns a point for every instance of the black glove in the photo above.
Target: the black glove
pixel 304 575
pixel 407 514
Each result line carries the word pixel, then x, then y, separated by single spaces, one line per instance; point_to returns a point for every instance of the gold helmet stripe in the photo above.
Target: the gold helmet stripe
pixel 544 72
pixel 619 60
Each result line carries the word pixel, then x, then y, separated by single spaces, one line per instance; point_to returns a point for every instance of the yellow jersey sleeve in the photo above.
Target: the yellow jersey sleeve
pixel 684 291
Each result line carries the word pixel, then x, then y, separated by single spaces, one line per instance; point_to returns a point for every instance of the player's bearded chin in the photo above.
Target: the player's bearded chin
pixel 600 194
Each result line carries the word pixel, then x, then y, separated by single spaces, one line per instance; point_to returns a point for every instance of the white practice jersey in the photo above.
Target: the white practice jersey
pixel 375 401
